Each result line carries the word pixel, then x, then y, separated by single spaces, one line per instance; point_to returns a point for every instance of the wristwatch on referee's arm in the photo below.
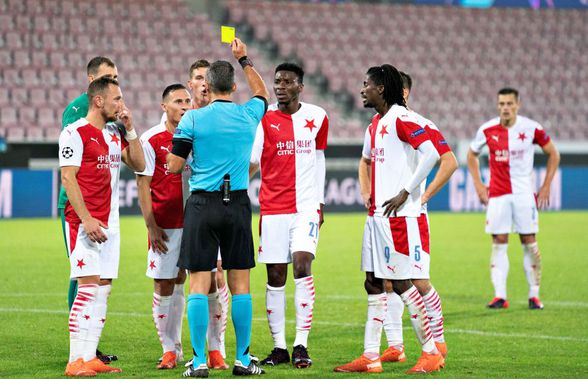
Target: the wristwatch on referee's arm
pixel 244 61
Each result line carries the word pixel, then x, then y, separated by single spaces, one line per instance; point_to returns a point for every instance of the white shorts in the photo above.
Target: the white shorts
pixel 165 266
pixel 512 213
pixel 218 258
pixel 283 234
pixel 396 248
pixel 87 258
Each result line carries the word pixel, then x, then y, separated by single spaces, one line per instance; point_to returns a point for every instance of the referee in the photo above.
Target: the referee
pixel 218 213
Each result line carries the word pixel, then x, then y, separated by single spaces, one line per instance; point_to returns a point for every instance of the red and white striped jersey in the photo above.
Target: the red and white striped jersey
pixel 166 187
pixel 285 147
pixel 98 155
pixel 511 154
pixel 390 143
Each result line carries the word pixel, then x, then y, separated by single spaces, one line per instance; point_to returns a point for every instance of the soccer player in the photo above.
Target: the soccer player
pixel 289 147
pixel 197 83
pixel 401 155
pixel 510 197
pixel 162 204
pixel 395 307
pixel 218 212
pixel 90 152
pixel 97 67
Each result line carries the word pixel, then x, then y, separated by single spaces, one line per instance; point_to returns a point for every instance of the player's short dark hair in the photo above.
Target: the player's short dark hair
pixel 509 91
pixel 96 62
pixel 220 77
pixel 388 76
pixel 291 67
pixel 99 86
pixel 406 80
pixel 198 64
pixel 171 88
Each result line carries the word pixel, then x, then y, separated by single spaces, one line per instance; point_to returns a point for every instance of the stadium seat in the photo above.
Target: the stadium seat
pixel 43 45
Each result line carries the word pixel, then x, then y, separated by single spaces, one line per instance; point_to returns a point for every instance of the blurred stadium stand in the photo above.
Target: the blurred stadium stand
pixel 458 58
pixel 45 46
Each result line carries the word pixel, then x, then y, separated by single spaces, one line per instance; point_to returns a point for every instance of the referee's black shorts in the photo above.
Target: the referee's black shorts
pixel 208 224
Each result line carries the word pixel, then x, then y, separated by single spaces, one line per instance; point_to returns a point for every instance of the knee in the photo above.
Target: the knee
pixel 302 265
pixel 220 278
pixel 401 286
pixel 181 279
pixel 164 287
pixel 527 239
pixel 422 285
pixel 500 238
pixel 238 281
pixel 373 285
pixel 276 275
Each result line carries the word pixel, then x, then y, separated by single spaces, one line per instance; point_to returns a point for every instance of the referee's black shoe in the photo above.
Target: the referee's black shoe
pixel 198 372
pixel 239 369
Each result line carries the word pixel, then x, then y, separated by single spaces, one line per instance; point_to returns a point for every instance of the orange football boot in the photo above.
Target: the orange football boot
pixel 168 361
pixel 78 368
pixel 361 364
pixel 428 363
pixel 392 354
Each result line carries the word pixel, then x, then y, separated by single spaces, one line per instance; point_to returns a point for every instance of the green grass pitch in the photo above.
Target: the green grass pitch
pixel 482 343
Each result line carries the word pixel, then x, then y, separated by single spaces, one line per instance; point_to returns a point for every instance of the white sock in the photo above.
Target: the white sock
pixel 275 303
pixel 79 320
pixel 435 314
pixel 532 265
pixel 176 317
pixel 499 268
pixel 223 300
pixel 376 313
pixel 304 301
pixel 214 322
pixel 393 321
pixel 97 321
pixel 161 318
pixel 418 317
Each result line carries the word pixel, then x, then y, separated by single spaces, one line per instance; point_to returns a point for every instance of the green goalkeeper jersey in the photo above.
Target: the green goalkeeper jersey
pixel 77 109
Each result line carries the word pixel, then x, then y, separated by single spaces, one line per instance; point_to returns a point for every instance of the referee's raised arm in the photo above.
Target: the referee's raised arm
pixel 254 80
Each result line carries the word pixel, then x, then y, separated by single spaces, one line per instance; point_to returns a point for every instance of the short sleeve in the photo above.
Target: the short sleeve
pixel 185 130
pixel 256 108
pixel 479 141
pixel 149 154
pixel 71 148
pixel 322 135
pixel 73 113
pixel 438 140
pixel 366 152
pixel 411 133
pixel 541 138
pixel 257 145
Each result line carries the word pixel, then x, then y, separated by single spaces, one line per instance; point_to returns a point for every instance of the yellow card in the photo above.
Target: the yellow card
pixel 227 34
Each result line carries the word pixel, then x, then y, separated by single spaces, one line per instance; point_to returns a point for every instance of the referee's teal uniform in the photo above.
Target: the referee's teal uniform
pixel 221 137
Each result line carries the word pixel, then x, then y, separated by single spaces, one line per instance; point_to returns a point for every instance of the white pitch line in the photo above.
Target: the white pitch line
pixel 326 323
pixel 554 303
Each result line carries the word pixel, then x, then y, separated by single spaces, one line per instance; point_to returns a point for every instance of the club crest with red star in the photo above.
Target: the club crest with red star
pixel 310 124
pixel 384 130
pixel 114 138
